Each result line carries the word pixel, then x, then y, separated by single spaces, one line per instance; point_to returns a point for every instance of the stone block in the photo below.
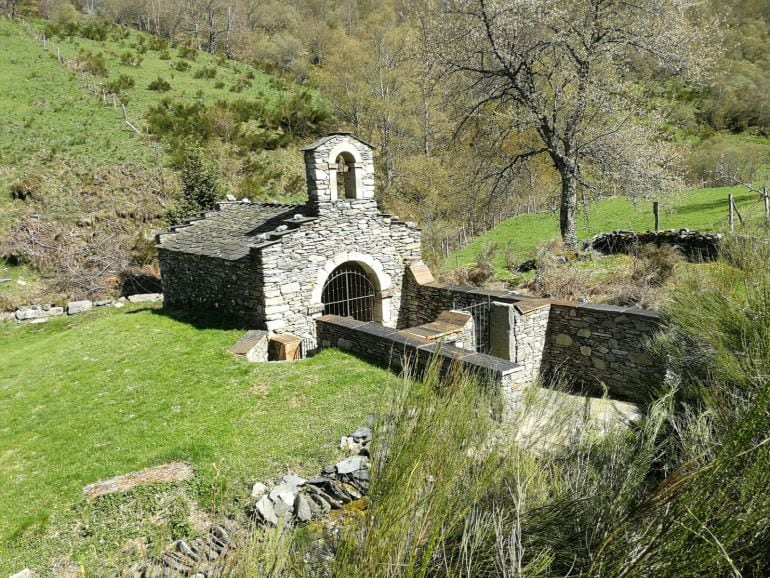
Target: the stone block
pixel 585 351
pixel 252 346
pixel 598 363
pixel 289 288
pixel 563 340
pixel 284 348
pixel 639 359
pixel 584 333
pixel 75 307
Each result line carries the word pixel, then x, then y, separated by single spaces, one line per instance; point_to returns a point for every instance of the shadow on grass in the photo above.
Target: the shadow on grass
pixel 198 319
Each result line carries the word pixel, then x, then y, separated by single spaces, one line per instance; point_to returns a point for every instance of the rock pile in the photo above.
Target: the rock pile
pixel 297 500
pixel 291 499
pixel 198 558
pixel 694 245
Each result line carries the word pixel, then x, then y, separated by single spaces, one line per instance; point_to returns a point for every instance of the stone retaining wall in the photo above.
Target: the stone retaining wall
pixel 392 348
pixel 695 245
pixel 595 344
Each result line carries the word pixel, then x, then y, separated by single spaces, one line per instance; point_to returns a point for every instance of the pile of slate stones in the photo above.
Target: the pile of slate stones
pixel 290 499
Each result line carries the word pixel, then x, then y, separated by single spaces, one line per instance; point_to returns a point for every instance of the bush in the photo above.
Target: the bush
pixel 181 65
pixel 187 52
pixel 160 85
pixel 201 188
pixel 158 43
pixel 164 55
pixel 131 59
pixel 655 265
pixel 92 63
pixel 205 72
pixel 123 82
pixel 219 84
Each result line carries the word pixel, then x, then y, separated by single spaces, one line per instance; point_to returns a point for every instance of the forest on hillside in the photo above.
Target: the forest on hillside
pixel 446 159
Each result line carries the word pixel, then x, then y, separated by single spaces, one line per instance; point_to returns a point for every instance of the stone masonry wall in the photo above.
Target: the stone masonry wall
pixel 294 268
pixel 226 287
pixel 394 349
pixel 518 333
pixel 594 344
pixel 694 245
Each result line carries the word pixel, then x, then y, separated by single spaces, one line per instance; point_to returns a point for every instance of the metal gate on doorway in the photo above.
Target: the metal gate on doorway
pixel 348 292
pixel 480 313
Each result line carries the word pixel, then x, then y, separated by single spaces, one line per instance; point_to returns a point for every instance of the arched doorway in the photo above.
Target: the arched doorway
pixel 349 292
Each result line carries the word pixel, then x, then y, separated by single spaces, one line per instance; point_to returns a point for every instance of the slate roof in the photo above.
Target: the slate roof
pixel 230 230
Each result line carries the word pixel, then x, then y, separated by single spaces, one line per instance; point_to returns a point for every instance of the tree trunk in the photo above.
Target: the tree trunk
pixel 568 210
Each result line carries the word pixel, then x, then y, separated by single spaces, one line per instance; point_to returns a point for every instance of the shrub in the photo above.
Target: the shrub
pixel 187 52
pixel 181 65
pixel 160 85
pixel 164 55
pixel 200 186
pixel 655 265
pixel 131 59
pixel 219 84
pixel 205 72
pixel 92 63
pixel 123 82
pixel 158 43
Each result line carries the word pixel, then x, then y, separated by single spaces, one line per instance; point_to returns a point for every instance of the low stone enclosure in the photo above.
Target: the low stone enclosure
pixel 518 339
pixel 694 245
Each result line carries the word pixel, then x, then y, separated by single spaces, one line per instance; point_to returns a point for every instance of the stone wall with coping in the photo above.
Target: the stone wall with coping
pixel 518 333
pixel 603 344
pixel 395 349
pixel 230 288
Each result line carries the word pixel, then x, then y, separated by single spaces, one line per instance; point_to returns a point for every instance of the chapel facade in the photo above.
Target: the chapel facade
pixel 278 267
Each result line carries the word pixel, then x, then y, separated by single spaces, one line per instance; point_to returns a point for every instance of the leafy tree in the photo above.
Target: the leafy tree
pixel 563 73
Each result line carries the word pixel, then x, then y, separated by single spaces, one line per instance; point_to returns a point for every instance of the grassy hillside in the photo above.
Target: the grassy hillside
pixel 81 193
pixel 49 121
pixel 701 209
pixel 107 393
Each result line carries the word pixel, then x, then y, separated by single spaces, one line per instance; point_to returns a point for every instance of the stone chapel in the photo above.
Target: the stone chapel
pixel 277 267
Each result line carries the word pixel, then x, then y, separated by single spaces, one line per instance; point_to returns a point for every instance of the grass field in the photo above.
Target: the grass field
pixel 190 85
pixel 90 397
pixel 47 119
pixel 702 209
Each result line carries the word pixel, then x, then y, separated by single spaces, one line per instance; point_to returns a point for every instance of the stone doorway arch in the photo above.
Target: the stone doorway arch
pixel 380 281
pixel 349 292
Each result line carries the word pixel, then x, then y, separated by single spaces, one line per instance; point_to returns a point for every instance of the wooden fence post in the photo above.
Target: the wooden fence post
pixel 730 214
pixel 655 212
pixel 766 199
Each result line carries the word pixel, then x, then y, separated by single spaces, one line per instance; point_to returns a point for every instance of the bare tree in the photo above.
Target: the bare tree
pixel 562 73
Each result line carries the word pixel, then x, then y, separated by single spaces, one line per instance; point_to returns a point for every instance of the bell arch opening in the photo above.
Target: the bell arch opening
pixel 346 176
pixel 349 292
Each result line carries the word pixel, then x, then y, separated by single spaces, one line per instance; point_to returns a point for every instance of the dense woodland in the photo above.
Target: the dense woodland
pixel 381 71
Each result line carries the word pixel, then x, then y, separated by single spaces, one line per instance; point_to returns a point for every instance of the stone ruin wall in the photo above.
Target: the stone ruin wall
pixel 597 344
pixel 694 245
pixel 291 268
pixel 229 288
